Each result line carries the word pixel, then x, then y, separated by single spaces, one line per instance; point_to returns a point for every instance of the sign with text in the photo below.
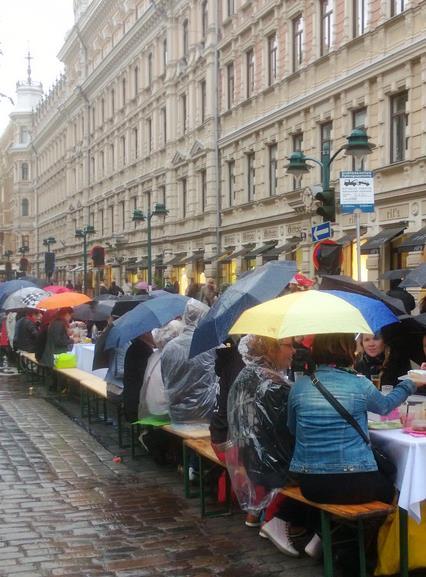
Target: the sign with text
pixel 356 191
pixel 321 231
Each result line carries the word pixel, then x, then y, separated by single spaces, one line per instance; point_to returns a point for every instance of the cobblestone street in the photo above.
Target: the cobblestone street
pixel 68 510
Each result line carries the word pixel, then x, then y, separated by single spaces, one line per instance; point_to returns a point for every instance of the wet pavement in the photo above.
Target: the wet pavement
pixel 67 509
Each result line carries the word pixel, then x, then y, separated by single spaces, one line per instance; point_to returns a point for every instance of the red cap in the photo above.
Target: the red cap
pixel 302 280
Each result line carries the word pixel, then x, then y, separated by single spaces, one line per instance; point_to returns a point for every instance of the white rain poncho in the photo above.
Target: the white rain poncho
pixel 153 399
pixel 191 384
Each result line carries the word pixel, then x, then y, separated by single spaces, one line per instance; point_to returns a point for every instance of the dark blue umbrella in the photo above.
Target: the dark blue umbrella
pixel 262 284
pixel 10 286
pixel 143 318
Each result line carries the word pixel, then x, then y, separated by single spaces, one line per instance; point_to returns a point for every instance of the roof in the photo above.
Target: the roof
pixel 414 241
pixel 374 243
pixel 260 249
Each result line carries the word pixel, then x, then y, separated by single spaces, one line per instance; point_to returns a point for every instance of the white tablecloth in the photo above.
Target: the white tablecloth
pixel 409 455
pixel 85 353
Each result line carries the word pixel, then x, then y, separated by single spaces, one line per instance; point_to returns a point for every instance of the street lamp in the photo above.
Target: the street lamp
pixel 8 253
pixel 83 233
pixel 357 146
pixel 48 241
pixel 139 216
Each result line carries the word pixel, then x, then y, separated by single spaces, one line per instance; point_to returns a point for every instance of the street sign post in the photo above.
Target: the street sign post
pixel 321 231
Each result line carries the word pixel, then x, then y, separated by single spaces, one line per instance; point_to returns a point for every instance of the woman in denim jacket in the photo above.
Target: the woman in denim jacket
pixel 333 463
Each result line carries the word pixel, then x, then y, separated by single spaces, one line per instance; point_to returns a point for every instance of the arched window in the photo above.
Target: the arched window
pixel 24 171
pixel 25 207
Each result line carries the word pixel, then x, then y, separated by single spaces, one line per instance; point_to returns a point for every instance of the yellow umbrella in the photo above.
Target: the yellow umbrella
pixel 314 312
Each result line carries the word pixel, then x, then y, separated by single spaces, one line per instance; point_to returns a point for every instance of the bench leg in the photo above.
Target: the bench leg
pixel 185 460
pixel 202 486
pixel 361 549
pixel 326 544
pixel 403 542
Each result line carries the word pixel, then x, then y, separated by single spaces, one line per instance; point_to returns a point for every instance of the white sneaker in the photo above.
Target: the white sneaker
pixel 277 531
pixel 314 547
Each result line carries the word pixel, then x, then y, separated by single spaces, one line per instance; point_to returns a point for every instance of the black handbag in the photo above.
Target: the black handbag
pixel 384 464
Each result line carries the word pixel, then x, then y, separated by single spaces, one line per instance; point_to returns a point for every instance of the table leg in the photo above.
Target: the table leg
pixel 403 542
pixel 326 544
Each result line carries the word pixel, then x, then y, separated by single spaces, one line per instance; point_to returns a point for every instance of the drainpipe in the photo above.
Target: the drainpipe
pixel 216 131
pixel 35 180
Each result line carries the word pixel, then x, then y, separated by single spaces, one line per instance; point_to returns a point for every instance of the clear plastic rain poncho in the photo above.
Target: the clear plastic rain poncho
pixel 191 384
pixel 259 446
pixel 153 399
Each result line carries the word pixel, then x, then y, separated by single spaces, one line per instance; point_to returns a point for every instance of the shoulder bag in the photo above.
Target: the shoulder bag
pixel 384 464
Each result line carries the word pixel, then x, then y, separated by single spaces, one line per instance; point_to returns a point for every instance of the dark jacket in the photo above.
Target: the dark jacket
pixel 134 370
pixel 57 342
pixel 369 366
pixel 26 333
pixel 227 367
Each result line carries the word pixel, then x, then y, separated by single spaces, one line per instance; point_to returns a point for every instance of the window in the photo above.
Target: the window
pixel 123 149
pixel 25 208
pixel 164 124
pixel 250 72
pixel 297 42
pixel 112 151
pixel 25 240
pixel 272 58
pixel 136 80
pixel 326 142
pixel 102 162
pixel 183 111
pixel 273 149
pixel 204 20
pixel 112 102
pixel 149 134
pixel 102 111
pixel 326 25
pixel 150 69
pixel 359 118
pixel 203 100
pixel 93 118
pixel 185 39
pixel 359 17
pixel 297 147
pixel 135 142
pixel 92 168
pixel 231 182
pixel 230 84
pixel 251 176
pixel 111 218
pixel 165 55
pixel 203 189
pixel 230 7
pixel 123 215
pixel 123 91
pixel 162 195
pixel 92 219
pixel 184 194
pixel 24 171
pixel 397 6
pixel 24 135
pixel 399 122
pixel 101 221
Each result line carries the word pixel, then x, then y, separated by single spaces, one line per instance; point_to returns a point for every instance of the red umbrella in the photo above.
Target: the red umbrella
pixel 56 289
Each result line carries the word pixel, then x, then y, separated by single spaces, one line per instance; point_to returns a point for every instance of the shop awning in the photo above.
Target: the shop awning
pixel 158 261
pixel 142 263
pixel 414 241
pixel 197 255
pixel 238 253
pixel 130 263
pixel 176 260
pixel 386 235
pixel 349 236
pixel 283 248
pixel 261 249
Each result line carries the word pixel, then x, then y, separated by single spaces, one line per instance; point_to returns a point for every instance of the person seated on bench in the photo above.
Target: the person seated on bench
pixel 191 384
pixel 26 331
pixel 135 363
pixel 260 446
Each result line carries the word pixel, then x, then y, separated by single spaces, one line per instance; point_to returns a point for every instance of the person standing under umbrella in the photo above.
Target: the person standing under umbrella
pixel 115 290
pixel 135 363
pixel 26 332
pixel 58 337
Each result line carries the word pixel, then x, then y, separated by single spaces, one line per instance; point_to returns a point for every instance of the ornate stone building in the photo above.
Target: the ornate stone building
pixel 198 104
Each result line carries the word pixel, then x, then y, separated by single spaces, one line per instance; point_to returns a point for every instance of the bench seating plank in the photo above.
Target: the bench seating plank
pixel 187 431
pixel 204 448
pixel 350 512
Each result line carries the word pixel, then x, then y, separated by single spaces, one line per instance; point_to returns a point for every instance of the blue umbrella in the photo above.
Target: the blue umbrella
pixel 260 285
pixel 143 318
pixel 11 286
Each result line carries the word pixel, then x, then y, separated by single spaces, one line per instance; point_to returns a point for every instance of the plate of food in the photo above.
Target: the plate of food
pixel 416 375
pixel 384 425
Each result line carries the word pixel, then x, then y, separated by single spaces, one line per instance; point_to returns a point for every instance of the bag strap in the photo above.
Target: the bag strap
pixel 340 408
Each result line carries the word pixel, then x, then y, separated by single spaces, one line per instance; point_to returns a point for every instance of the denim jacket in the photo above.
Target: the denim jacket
pixel 325 442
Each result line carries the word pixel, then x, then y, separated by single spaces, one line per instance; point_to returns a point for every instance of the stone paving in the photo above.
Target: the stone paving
pixel 68 510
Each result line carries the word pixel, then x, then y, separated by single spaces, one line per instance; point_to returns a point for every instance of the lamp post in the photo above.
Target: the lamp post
pixel 139 216
pixel 8 253
pixel 83 233
pixel 49 257
pixel 49 241
pixel 358 147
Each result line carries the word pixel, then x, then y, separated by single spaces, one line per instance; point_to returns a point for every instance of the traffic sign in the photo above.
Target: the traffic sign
pixel 356 191
pixel 321 231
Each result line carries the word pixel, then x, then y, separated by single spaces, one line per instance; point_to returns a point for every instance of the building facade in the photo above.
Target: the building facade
pixel 197 105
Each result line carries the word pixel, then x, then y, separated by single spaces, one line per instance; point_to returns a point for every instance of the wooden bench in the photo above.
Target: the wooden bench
pixel 31 368
pixel 203 449
pixel 352 514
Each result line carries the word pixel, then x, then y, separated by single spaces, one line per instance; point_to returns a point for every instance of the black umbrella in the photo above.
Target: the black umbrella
pixel 368 289
pixel 416 277
pixel 96 311
pixel 407 336
pixel 398 273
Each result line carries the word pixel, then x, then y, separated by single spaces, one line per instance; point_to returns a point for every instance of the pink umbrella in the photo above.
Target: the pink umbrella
pixel 56 289
pixel 142 285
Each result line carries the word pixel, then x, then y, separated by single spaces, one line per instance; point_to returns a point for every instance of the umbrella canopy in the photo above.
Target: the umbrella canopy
pixel 41 283
pixel 416 277
pixel 262 284
pixel 57 289
pixel 63 300
pixel 10 286
pixel 315 312
pixel 395 274
pixel 407 336
pixel 368 289
pixel 146 316
pixel 96 311
pixel 142 285
pixel 26 298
